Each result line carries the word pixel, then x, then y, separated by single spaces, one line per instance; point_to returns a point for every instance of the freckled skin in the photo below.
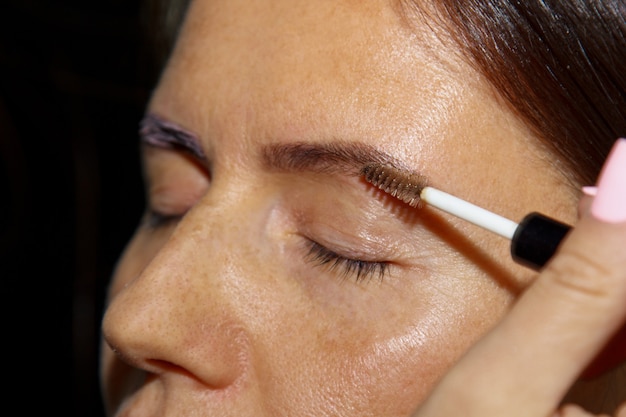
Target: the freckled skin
pixel 223 314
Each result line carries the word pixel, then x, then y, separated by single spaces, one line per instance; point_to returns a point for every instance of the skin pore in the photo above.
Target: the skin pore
pixel 267 277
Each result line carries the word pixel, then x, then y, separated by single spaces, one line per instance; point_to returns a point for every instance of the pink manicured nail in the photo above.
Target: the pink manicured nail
pixel 609 205
pixel 590 191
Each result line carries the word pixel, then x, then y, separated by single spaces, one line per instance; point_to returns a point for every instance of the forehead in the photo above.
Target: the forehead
pixel 330 68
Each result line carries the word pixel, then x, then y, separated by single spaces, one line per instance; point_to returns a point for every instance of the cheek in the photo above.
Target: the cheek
pixel 128 267
pixel 381 352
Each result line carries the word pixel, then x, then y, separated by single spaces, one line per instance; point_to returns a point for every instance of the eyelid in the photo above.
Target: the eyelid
pixel 163 208
pixel 357 241
pixel 174 183
pixel 360 269
pixel 155 220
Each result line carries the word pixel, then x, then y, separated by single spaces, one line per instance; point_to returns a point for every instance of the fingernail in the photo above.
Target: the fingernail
pixel 609 204
pixel 590 191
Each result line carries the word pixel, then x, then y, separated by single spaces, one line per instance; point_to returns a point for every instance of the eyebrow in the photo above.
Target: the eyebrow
pixel 347 158
pixel 343 158
pixel 158 132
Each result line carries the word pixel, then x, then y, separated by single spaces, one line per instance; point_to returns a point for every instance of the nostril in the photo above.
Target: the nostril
pixel 120 378
pixel 159 366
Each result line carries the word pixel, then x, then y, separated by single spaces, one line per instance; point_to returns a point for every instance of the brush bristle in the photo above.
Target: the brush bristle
pixel 400 184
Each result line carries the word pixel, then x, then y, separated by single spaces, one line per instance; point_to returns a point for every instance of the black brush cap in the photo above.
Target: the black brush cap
pixel 536 239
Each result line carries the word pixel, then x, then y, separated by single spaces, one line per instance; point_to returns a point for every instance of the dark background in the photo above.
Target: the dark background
pixel 74 81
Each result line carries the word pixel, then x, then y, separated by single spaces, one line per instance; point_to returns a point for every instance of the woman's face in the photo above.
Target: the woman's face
pixel 268 278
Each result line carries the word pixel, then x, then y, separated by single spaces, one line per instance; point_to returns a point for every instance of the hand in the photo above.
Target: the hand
pixel 525 366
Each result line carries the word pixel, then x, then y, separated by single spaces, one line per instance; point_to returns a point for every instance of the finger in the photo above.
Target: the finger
pixel 584 205
pixel 527 363
pixel 614 352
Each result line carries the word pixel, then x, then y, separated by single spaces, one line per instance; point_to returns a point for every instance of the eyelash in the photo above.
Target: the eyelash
pixel 362 270
pixel 155 220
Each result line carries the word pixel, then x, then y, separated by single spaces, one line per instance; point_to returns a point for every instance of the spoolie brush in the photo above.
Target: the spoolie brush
pixel 533 241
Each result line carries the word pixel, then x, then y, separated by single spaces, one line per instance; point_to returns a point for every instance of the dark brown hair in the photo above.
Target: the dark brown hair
pixel 560 64
pixel 161 21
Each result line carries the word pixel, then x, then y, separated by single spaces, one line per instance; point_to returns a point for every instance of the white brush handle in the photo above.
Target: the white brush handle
pixel 468 211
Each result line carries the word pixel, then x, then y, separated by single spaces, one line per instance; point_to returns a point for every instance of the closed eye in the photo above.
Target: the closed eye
pixel 359 269
pixel 155 220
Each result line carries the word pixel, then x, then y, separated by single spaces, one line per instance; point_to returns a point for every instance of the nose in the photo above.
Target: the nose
pixel 177 317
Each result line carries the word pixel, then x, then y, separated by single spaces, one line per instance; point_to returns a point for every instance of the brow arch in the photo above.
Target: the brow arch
pixel 327 158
